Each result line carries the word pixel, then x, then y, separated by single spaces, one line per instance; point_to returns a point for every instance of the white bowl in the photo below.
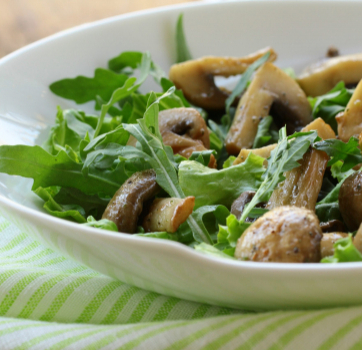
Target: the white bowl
pixel 300 32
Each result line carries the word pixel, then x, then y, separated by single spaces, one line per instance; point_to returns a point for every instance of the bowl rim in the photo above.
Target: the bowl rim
pixel 171 246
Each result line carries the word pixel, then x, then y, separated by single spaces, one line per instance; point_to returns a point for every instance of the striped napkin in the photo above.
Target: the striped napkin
pixel 48 301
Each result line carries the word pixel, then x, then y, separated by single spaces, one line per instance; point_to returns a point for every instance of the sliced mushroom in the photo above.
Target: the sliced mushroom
pixel 327 242
pixel 196 77
pixel 127 203
pixel 239 204
pixel 324 131
pixel 284 234
pixel 350 121
pixel 357 240
pixel 167 214
pixel 350 201
pixel 185 131
pixel 273 89
pixel 321 77
pixel 333 226
pixel 303 184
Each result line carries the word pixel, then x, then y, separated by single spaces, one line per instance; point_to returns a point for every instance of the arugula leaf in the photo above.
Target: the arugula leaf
pixel 266 134
pixel 242 84
pixel 59 170
pixel 283 158
pixel 329 105
pixel 211 186
pixel 161 159
pixel 82 89
pixel 127 59
pixel 344 251
pixel 348 152
pixel 182 50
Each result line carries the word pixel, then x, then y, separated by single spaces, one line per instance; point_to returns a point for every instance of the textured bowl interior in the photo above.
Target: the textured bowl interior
pixel 300 31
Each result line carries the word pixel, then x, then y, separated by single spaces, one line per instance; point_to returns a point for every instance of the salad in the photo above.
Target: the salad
pixel 266 171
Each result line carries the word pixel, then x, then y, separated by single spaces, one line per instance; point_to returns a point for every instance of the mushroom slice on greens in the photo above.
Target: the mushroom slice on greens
pixel 196 77
pixel 321 77
pixel 271 91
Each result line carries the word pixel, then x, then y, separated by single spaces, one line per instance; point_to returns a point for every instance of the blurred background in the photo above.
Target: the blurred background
pixel 25 21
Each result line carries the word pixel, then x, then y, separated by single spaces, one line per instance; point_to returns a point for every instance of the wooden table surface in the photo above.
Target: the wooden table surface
pixel 25 21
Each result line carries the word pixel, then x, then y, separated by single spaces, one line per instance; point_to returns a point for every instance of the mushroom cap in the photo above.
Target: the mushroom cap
pixel 284 234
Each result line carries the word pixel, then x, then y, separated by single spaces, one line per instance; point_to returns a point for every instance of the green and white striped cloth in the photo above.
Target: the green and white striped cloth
pixel 48 301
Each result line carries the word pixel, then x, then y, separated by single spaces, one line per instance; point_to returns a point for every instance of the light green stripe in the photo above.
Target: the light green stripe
pixel 142 307
pixel 133 343
pixel 26 250
pixel 69 341
pixel 296 331
pixel 35 341
pixel 183 343
pixel 262 334
pixel 226 337
pixel 200 311
pixel 53 262
pixel 357 346
pixel 32 259
pixel 100 343
pixel 166 308
pixel 97 301
pixel 22 327
pixel 62 297
pixel 341 333
pixel 15 291
pixel 38 295
pixel 4 225
pixel 14 242
pixel 119 305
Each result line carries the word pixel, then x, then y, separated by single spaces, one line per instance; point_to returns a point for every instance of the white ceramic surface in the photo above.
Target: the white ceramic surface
pixel 299 31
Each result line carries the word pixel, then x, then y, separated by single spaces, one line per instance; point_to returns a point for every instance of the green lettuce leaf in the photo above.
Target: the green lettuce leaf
pixel 69 211
pixel 344 251
pixel 211 186
pixel 103 224
pixel 267 133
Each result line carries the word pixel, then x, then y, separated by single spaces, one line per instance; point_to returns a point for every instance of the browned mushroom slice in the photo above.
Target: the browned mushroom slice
pixel 127 203
pixel 327 242
pixel 185 131
pixel 285 234
pixel 357 240
pixel 239 204
pixel 333 226
pixel 350 121
pixel 303 184
pixel 324 131
pixel 321 77
pixel 196 77
pixel 167 214
pixel 350 201
pixel 271 89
